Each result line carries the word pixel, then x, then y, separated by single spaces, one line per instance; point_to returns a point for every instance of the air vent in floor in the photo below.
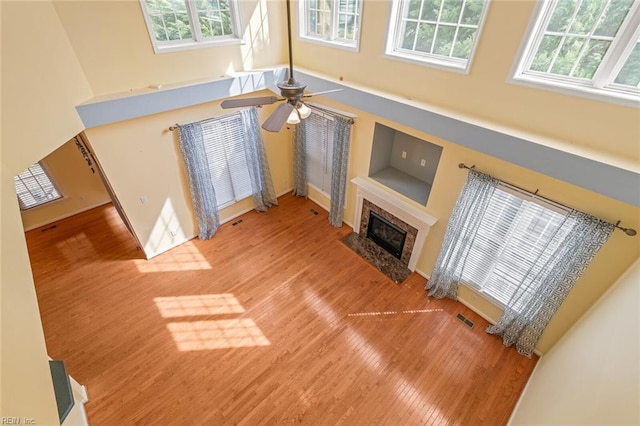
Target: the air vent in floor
pixel 465 320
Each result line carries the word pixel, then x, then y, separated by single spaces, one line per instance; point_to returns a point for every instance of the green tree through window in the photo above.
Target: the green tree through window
pixel 590 45
pixel 175 23
pixel 444 32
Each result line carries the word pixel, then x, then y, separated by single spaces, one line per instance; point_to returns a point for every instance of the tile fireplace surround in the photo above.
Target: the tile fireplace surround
pixel 371 197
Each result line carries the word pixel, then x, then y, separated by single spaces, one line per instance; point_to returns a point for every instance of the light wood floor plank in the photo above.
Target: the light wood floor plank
pixel 302 331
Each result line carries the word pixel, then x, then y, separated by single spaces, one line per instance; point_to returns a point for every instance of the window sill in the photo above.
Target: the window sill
pixel 198 45
pixel 443 64
pixel 592 93
pixel 331 43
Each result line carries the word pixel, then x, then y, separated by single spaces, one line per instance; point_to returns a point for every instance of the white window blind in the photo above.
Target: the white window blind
pixel 224 144
pixel 319 150
pixel 513 234
pixel 34 187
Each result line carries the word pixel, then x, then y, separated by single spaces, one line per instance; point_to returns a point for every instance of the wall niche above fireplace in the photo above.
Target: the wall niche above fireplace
pixel 404 163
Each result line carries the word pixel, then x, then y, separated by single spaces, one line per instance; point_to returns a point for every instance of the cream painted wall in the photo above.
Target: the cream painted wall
pixel 41 83
pixel 484 93
pixel 26 389
pixel 612 260
pixel 592 376
pixel 113 46
pixel 141 158
pixel 81 188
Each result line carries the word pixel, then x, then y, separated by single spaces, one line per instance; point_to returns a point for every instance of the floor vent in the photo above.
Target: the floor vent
pixel 465 320
pixel 314 212
pixel 236 222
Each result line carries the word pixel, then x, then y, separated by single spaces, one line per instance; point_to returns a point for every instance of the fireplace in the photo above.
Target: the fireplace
pixel 386 234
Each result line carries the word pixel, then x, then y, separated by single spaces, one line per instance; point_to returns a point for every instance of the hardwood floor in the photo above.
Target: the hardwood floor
pixel 273 321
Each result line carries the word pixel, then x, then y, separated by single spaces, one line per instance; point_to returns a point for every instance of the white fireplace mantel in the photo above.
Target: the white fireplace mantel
pixel 368 189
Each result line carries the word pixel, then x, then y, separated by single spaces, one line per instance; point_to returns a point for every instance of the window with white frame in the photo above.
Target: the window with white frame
pixel 332 21
pixel 319 150
pixel 224 145
pixel 584 46
pixel 183 24
pixel 437 32
pixel 514 232
pixel 34 187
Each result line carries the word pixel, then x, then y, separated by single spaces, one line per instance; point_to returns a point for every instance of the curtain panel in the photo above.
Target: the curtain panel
pixel 341 146
pixel 264 195
pixel 300 160
pixel 563 257
pixel 460 233
pixel 553 279
pixel 203 195
pixel 199 171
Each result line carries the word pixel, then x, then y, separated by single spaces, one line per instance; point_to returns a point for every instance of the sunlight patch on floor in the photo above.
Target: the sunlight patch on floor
pixel 204 304
pixel 412 397
pixel 216 334
pixel 185 257
pixel 78 243
pixel 376 314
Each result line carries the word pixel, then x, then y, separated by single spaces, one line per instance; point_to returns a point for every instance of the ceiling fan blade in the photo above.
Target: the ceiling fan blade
pixel 324 92
pixel 242 102
pixel 278 117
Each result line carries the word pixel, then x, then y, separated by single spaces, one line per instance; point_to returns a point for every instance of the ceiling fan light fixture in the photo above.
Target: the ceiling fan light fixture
pixel 294 117
pixel 303 110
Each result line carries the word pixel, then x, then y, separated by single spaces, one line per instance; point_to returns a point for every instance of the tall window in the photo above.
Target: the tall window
pixel 180 24
pixel 513 234
pixel 319 150
pixel 588 46
pixel 332 21
pixel 224 146
pixel 436 32
pixel 34 187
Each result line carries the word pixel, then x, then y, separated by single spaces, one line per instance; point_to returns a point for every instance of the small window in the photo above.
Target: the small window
pixel 436 32
pixel 513 234
pixel 186 24
pixel 588 47
pixel 34 187
pixel 224 144
pixel 335 22
pixel 319 150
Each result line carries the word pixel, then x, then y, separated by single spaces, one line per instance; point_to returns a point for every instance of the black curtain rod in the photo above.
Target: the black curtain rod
pixel 328 111
pixel 628 231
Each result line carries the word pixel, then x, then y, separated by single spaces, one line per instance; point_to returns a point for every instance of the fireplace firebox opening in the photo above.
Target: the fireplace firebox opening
pixel 386 234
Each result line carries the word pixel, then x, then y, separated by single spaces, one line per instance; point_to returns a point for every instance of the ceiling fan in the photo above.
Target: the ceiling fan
pixel 292 91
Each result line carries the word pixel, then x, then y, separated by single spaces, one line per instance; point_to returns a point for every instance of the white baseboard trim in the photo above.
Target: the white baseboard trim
pixel 422 274
pixel 79 390
pixel 247 210
pixel 64 216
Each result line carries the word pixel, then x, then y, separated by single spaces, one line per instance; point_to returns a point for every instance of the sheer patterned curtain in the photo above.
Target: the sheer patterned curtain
pixel 549 270
pixel 461 231
pixel 341 145
pixel 203 195
pixel 335 133
pixel 264 195
pixel 300 160
pixel 553 279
